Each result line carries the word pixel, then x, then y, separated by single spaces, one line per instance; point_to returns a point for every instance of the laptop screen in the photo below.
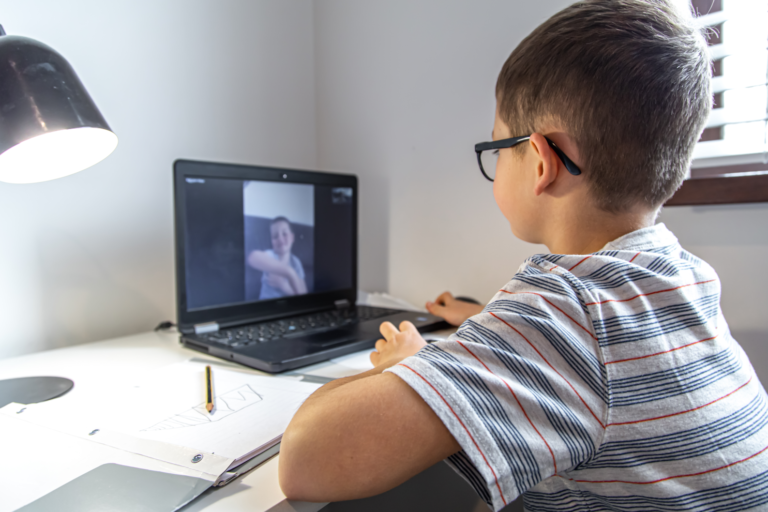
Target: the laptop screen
pixel 249 241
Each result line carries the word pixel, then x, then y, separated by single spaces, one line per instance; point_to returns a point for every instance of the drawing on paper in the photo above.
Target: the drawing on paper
pixel 226 404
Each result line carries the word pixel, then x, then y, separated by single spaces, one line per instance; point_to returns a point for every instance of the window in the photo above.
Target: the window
pixel 730 162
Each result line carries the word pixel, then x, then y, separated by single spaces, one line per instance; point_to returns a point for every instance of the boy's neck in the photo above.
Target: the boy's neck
pixel 589 231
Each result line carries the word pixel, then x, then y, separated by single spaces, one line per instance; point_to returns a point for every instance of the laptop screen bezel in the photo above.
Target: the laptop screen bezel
pixel 235 314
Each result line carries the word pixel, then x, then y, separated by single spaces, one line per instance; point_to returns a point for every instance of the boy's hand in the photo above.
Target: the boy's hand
pixel 396 345
pixel 451 310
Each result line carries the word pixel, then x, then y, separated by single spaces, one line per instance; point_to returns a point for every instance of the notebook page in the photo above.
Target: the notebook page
pixel 168 405
pixel 250 413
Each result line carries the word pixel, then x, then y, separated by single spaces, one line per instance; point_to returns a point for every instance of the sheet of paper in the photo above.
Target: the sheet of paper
pixel 250 411
pixel 168 405
pixel 359 361
pixel 385 300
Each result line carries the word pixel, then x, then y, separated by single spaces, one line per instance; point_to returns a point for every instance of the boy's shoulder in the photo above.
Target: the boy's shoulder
pixel 638 261
pixel 641 286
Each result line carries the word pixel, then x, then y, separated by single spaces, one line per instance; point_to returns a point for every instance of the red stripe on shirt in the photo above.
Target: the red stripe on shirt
pixel 465 428
pixel 664 352
pixel 650 293
pixel 557 308
pixel 579 263
pixel 554 462
pixel 553 368
pixel 681 412
pixel 633 257
pixel 669 477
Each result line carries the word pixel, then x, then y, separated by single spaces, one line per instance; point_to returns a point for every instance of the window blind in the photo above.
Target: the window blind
pixel 737 130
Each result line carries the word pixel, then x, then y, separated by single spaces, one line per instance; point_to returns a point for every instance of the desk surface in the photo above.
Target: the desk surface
pixel 92 364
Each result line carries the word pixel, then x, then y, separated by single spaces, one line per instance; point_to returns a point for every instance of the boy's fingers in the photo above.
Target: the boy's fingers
pixel 380 345
pixel 435 308
pixel 405 325
pixel 444 298
pixel 388 330
pixel 375 358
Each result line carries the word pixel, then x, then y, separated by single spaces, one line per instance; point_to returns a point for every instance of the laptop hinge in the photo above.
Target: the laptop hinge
pixel 341 304
pixel 206 327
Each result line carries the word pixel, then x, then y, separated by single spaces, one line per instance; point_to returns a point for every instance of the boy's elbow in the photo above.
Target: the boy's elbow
pixel 296 474
pixel 290 484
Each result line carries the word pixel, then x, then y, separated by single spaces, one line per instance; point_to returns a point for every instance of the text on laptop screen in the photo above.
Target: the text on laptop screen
pixel 248 241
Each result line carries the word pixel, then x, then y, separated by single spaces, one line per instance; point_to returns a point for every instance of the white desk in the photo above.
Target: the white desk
pixel 92 364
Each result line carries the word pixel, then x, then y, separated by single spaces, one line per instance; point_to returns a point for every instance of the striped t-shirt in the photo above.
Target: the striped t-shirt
pixel 603 382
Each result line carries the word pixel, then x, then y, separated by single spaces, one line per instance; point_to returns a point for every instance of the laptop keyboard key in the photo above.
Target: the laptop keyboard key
pixel 295 327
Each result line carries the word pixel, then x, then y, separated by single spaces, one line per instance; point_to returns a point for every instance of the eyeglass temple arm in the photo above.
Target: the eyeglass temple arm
pixel 506 143
pixel 567 162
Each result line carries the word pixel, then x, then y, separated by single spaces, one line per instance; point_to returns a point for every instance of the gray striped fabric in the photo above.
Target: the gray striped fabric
pixel 603 382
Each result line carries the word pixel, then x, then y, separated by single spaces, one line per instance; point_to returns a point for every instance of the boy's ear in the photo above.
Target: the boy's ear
pixel 547 163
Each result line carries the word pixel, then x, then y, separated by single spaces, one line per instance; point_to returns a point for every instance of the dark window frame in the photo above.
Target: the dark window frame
pixel 731 184
pixel 723 185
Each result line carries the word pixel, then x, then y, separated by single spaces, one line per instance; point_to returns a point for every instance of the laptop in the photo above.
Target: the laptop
pixel 266 266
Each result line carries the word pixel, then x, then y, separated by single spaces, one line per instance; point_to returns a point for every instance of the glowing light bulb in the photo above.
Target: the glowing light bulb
pixel 56 154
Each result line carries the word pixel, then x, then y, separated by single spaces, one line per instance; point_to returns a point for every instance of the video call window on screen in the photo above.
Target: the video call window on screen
pixel 279 222
pixel 249 241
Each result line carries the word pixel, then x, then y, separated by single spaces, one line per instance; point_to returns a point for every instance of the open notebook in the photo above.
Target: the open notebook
pixel 167 405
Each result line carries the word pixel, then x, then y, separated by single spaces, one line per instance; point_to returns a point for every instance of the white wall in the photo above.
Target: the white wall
pixel 91 256
pixel 404 90
pixel 270 200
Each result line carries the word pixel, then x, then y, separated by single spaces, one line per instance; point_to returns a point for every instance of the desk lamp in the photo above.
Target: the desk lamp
pixel 49 128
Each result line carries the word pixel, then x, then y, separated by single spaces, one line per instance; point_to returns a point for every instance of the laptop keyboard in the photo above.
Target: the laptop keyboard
pixel 295 326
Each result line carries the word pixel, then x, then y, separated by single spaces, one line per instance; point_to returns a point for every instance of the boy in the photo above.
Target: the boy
pixel 282 271
pixel 603 375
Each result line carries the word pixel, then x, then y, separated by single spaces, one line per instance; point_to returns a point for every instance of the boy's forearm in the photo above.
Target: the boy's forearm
pixel 287 288
pixel 327 388
pixel 260 261
pixel 297 283
pixel 360 436
pixel 294 281
pixel 408 345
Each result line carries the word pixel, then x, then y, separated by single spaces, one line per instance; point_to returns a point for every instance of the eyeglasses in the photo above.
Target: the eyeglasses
pixel 487 154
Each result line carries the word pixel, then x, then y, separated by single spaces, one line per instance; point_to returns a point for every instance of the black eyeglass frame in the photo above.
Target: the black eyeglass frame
pixel 514 141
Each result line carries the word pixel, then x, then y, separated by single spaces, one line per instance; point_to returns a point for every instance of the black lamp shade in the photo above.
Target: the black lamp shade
pixel 49 128
pixel 49 125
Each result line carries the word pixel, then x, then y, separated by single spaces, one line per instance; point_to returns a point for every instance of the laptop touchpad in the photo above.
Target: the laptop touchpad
pixel 330 338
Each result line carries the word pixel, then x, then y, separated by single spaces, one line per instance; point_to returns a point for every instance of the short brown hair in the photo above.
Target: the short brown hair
pixel 629 80
pixel 280 218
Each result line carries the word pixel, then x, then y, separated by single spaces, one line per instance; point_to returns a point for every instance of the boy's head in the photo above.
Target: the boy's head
pixel 629 83
pixel 281 235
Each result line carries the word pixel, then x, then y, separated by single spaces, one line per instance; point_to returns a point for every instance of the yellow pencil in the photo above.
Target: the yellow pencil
pixel 208 389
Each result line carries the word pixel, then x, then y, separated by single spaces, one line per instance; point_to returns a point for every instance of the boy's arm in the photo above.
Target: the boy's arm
pixel 363 435
pixel 452 310
pixel 280 283
pixel 260 260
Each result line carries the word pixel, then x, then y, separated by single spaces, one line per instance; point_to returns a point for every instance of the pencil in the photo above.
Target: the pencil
pixel 208 389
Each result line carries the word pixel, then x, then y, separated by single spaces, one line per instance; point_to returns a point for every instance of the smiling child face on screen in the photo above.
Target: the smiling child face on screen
pixel 282 237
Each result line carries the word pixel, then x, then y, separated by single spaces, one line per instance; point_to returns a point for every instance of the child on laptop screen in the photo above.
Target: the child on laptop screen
pixel 602 376
pixel 283 273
